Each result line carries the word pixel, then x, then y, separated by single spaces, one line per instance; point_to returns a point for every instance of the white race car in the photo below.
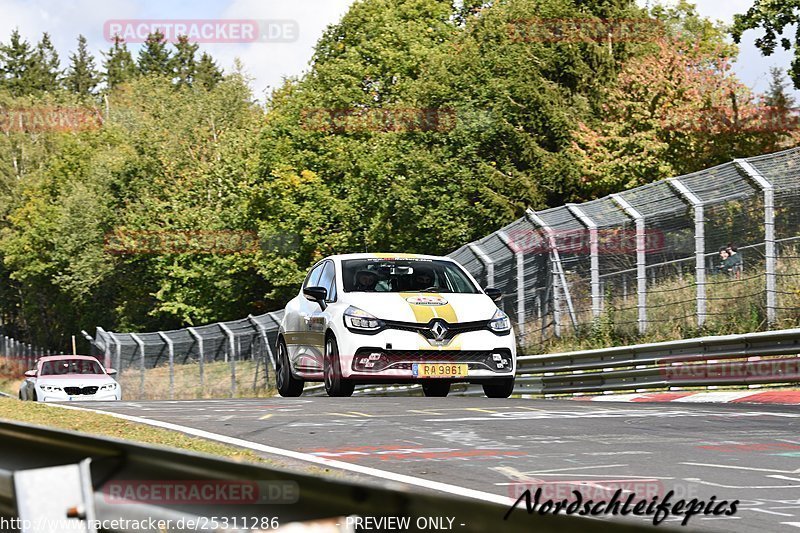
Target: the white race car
pixel 64 378
pixel 394 318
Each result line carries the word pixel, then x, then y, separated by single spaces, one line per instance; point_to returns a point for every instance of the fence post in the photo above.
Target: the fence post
pixel 699 246
pixel 202 356
pixel 487 262
pixel 594 260
pixel 117 353
pixel 519 256
pixel 232 347
pixel 171 353
pixel 559 279
pixel 262 330
pixel 140 343
pixel 769 235
pixel 641 259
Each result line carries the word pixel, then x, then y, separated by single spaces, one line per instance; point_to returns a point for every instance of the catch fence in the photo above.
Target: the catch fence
pixel 644 261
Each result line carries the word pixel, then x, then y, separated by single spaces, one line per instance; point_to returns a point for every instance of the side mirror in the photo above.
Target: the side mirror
pixel 111 372
pixel 30 374
pixel 494 294
pixel 316 294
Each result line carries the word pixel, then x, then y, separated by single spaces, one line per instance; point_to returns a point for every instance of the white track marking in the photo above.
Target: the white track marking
pixel 341 465
pixel 765 511
pixel 795 524
pixel 723 397
pixel 744 468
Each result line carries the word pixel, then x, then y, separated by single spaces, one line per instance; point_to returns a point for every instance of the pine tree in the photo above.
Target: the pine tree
pixel 82 76
pixel 777 95
pixel 208 74
pixel 46 70
pixel 184 61
pixel 154 57
pixel 17 62
pixel 118 64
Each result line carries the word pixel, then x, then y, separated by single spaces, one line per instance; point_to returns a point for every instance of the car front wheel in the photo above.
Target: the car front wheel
pixel 335 384
pixel 499 388
pixel 288 385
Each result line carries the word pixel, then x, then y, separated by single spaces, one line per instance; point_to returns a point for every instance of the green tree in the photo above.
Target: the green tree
pixel 773 18
pixel 17 61
pixel 155 59
pixel 118 65
pixel 184 61
pixel 46 69
pixel 207 74
pixel 777 95
pixel 82 75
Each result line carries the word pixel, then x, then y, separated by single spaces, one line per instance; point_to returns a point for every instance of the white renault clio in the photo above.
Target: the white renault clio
pixel 394 318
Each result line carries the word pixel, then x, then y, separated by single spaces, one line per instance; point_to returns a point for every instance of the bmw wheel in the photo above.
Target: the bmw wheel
pixel 288 385
pixel 335 384
pixel 499 388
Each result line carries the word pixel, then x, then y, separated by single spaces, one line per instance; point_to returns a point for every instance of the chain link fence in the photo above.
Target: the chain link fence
pixel 642 262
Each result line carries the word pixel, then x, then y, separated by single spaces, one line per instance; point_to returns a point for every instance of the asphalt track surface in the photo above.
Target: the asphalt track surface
pixel 749 453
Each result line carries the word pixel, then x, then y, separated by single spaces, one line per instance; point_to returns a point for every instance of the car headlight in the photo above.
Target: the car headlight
pixel 109 386
pixel 51 388
pixel 500 322
pixel 355 318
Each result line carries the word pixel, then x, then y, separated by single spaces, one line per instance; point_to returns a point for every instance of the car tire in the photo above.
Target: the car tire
pixel 288 385
pixel 335 384
pixel 499 388
pixel 436 389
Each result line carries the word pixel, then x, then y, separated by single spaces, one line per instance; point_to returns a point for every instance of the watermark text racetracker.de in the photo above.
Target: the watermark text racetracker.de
pixel 585 30
pixel 41 119
pixel 779 370
pixel 203 30
pixel 610 241
pixel 130 242
pixel 378 120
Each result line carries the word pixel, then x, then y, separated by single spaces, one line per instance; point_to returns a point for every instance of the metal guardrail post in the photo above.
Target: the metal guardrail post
pixel 118 352
pixel 519 257
pixel 641 259
pixel 139 342
pixel 171 353
pixel 487 262
pixel 559 278
pixel 106 347
pixel 769 235
pixel 699 246
pixel 265 339
pixel 594 267
pixel 202 355
pixel 232 359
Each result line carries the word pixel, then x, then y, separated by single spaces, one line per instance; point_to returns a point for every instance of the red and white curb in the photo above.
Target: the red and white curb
pixel 788 397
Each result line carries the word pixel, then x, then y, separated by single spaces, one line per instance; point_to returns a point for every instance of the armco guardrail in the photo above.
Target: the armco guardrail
pixel 746 359
pixel 48 476
pixel 683 363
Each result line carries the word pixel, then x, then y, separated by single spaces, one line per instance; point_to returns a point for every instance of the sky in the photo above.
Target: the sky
pixel 269 62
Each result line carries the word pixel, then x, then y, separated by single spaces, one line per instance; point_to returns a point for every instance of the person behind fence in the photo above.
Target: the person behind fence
pixel 725 266
pixel 736 261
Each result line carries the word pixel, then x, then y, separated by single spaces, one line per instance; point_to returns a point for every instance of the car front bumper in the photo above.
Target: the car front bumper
pixel 391 355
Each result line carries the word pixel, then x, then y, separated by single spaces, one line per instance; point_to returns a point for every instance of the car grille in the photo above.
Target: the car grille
pixel 403 359
pixel 80 391
pixel 426 329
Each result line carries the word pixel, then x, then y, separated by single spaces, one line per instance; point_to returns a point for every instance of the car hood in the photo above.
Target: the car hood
pixel 80 380
pixel 423 306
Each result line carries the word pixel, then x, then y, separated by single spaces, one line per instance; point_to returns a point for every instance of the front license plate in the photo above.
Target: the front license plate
pixel 439 370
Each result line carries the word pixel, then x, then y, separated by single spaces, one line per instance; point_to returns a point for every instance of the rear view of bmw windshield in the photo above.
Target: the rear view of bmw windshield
pixel 405 275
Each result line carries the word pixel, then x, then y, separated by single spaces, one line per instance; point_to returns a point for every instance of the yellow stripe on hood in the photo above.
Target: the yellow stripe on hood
pixel 425 313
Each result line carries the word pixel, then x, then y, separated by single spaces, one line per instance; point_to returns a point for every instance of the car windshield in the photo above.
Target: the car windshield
pixel 404 275
pixel 70 366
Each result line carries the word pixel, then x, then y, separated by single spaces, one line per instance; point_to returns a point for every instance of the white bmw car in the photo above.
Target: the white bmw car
pixel 65 378
pixel 394 318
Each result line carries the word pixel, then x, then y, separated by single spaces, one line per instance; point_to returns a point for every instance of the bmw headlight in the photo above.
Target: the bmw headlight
pixel 500 322
pixel 109 386
pixel 51 388
pixel 358 319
